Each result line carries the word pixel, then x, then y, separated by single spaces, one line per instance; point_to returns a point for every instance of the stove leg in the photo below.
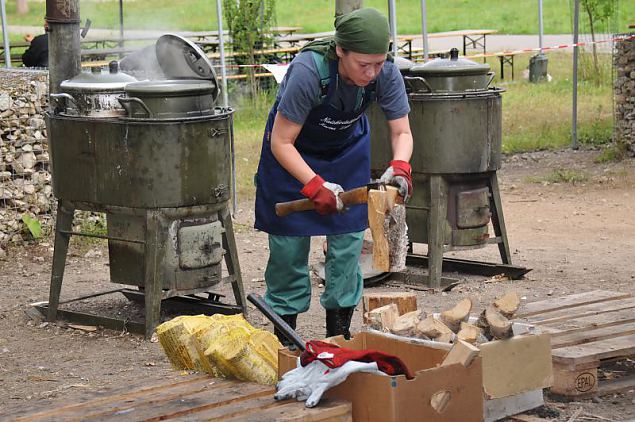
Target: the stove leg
pixel 231 259
pixel 436 229
pixel 64 222
pixel 152 283
pixel 498 221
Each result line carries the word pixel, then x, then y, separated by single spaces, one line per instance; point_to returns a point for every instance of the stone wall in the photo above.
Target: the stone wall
pixel 25 181
pixel 624 92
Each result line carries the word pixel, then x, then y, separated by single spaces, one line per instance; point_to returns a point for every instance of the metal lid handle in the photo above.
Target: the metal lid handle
pixel 126 101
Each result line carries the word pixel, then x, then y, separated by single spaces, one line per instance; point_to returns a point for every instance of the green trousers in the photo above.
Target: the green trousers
pixel 287 273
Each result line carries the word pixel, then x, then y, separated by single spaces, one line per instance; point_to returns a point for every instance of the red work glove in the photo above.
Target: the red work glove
pixel 324 195
pixel 399 174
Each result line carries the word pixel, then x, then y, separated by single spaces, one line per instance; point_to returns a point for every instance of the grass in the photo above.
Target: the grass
pixel 508 17
pixel 538 116
pixel 570 176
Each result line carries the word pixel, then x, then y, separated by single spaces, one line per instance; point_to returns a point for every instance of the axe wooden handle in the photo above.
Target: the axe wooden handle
pixel 350 197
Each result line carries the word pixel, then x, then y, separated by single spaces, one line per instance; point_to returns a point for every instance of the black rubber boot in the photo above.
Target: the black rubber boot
pixel 290 319
pixel 338 322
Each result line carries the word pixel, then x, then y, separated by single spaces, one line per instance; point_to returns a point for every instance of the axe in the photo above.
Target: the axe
pixel 350 197
pixel 389 249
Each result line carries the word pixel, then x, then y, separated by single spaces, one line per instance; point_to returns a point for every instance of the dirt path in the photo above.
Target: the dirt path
pixel 576 237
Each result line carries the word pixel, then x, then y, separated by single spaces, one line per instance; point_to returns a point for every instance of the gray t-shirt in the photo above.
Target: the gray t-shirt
pixel 300 91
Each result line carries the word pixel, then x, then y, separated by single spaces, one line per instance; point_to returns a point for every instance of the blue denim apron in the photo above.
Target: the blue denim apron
pixel 336 145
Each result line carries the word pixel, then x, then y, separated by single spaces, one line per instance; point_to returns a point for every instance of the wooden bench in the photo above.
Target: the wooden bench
pixel 99 54
pixel 506 58
pixel 281 53
pixel 476 37
pixel 198 397
pixel 417 54
pixel 588 330
pixel 300 39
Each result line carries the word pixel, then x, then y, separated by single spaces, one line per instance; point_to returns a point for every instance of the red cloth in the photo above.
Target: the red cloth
pixel 386 363
pixel 403 169
pixel 323 198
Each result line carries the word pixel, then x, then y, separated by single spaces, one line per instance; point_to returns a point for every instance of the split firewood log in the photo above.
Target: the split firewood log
pixel 433 328
pixel 495 326
pixel 470 333
pixel 460 313
pixel 405 324
pixel 382 318
pixel 508 304
pixel 406 302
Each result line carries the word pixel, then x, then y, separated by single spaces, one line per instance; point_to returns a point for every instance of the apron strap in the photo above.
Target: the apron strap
pixel 327 70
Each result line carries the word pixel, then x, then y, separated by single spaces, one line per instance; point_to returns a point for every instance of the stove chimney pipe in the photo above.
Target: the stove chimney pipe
pixel 62 17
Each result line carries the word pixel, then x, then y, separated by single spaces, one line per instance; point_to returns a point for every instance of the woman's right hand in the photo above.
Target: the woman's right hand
pixel 325 195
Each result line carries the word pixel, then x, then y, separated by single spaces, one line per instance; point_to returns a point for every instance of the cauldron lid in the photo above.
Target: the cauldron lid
pixel 454 66
pixel 180 58
pixel 170 87
pixel 98 80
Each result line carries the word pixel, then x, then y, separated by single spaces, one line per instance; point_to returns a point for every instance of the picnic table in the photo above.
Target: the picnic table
pixel 15 56
pixel 474 37
pixel 300 39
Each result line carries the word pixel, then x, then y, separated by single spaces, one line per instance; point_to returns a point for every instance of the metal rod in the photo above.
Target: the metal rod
pixel 574 117
pixel 233 154
pixel 540 28
pixel 104 293
pixel 120 23
pixel 5 36
pixel 392 15
pixel 424 30
pixel 99 236
pixel 221 46
pixel 278 322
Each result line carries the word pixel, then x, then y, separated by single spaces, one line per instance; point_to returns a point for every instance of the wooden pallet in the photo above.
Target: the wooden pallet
pixel 198 398
pixel 587 330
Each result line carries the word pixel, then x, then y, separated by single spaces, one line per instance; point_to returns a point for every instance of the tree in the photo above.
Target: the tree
pixel 598 11
pixel 249 23
pixel 22 7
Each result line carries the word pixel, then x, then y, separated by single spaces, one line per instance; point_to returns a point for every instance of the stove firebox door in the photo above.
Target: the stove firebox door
pixel 200 245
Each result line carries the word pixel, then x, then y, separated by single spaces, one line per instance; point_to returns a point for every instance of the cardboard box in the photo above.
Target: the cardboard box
pixel 394 398
pixel 515 371
pixel 516 365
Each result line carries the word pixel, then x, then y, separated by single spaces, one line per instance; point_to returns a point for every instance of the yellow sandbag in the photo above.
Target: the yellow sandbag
pixel 218 338
pixel 170 333
pixel 222 345
pixel 266 344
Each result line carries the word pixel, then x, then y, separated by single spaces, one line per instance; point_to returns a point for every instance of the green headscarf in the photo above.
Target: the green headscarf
pixel 363 31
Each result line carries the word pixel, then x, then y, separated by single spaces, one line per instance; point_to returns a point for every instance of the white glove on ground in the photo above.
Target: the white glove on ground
pixel 311 381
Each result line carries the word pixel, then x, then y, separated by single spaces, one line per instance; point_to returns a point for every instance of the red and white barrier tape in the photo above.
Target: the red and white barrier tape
pixel 283 66
pixel 555 47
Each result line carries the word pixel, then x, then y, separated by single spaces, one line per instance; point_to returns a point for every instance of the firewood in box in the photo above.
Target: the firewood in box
pixel 508 304
pixel 405 325
pixel 434 329
pixel 470 333
pixel 495 326
pixel 455 316
pixel 382 318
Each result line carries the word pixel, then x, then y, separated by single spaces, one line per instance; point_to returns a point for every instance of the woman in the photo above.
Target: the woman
pixel 316 145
